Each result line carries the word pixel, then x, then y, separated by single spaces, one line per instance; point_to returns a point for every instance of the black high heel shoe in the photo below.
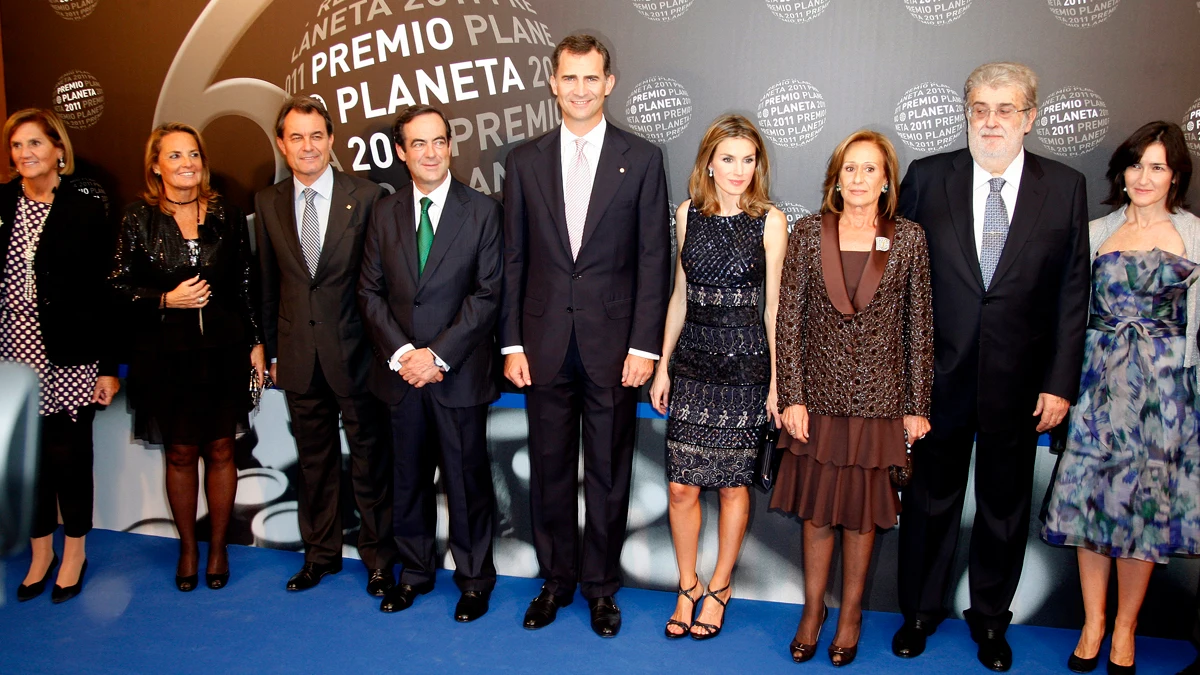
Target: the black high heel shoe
pixel 218 581
pixel 713 631
pixel 1078 664
pixel 60 594
pixel 802 652
pixel 35 589
pixel 1114 669
pixel 687 627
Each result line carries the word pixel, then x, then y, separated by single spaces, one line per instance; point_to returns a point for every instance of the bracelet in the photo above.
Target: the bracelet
pixel 163 301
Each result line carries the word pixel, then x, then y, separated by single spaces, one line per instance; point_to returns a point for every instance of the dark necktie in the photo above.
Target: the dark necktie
pixel 424 235
pixel 995 231
pixel 310 232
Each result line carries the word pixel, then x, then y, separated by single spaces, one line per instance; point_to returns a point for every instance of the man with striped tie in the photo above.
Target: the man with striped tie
pixel 1008 251
pixel 309 229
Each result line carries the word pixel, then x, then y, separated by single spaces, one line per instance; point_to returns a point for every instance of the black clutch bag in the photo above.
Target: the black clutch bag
pixel 256 390
pixel 901 475
pixel 766 464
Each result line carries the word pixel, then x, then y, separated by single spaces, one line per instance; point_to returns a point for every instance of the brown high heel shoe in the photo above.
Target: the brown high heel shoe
pixel 802 652
pixel 844 656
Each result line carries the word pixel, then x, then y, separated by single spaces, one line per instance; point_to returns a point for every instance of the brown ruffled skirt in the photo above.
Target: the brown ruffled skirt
pixel 840 477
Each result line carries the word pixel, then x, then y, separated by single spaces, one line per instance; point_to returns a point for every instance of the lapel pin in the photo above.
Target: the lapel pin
pixel 348 207
pixel 622 169
pixel 882 244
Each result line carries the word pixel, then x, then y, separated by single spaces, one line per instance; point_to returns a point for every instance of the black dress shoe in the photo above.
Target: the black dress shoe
pixel 909 641
pixel 400 598
pixel 60 594
pixel 35 589
pixel 311 574
pixel 544 608
pixel 606 616
pixel 1114 669
pixel 471 606
pixel 380 581
pixel 994 651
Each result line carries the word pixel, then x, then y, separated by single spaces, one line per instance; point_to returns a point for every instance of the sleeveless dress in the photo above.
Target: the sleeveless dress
pixel 722 363
pixel 1128 484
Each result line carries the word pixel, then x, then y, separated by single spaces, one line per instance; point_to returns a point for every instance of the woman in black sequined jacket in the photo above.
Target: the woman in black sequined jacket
pixel 183 267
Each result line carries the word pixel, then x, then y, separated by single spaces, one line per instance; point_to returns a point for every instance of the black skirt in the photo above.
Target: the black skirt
pixel 190 397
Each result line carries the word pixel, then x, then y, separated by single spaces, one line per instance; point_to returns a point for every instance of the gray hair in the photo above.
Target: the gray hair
pixel 1004 74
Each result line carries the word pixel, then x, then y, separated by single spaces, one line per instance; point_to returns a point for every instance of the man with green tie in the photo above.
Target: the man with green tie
pixel 429 292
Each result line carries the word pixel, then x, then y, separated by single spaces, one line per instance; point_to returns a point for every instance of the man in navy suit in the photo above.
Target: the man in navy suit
pixel 430 294
pixel 1008 252
pixel 586 274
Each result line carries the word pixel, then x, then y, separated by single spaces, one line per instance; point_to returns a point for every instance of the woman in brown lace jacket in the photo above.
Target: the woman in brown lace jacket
pixel 855 370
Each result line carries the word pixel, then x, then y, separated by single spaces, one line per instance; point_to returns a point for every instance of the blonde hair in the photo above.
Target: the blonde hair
pixel 51 125
pixel 833 202
pixel 154 182
pixel 755 201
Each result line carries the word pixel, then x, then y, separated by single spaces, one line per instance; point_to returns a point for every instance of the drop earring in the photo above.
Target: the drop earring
pixel 62 164
pixel 710 173
pixel 837 187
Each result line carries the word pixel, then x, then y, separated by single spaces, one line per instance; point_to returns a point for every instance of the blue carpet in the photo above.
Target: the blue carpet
pixel 130 619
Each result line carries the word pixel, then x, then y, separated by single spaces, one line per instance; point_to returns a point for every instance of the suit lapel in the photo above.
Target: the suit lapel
pixel 454 212
pixel 831 265
pixel 958 196
pixel 285 212
pixel 1030 197
pixel 403 217
pixel 341 207
pixel 610 171
pixel 877 261
pixel 548 174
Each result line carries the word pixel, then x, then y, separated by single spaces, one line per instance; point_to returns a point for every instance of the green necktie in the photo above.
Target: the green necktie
pixel 424 235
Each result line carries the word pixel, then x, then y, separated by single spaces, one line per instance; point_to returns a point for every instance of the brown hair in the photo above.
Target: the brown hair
pixel 413 112
pixel 755 201
pixel 154 193
pixel 580 45
pixel 833 202
pixel 305 105
pixel 1130 152
pixel 51 125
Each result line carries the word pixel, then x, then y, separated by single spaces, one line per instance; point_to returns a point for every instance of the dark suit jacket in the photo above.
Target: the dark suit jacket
pixel 70 267
pixel 995 350
pixel 451 308
pixel 614 295
pixel 305 317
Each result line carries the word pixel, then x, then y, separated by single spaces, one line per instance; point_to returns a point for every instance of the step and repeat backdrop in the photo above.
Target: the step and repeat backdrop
pixel 808 71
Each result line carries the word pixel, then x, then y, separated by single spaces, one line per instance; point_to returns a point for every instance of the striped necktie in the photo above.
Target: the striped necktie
pixel 578 194
pixel 310 232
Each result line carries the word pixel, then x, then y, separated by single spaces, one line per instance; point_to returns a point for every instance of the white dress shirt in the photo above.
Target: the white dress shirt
pixel 594 141
pixel 323 200
pixel 438 199
pixel 980 190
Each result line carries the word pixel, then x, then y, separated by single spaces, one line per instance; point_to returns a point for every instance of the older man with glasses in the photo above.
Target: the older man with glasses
pixel 1008 250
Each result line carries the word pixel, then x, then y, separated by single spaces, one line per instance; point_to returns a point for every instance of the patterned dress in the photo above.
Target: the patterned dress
pixel 66 388
pixel 722 362
pixel 1128 485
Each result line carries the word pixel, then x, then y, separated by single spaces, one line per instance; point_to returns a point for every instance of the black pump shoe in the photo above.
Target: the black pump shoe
pixel 35 589
pixel 60 594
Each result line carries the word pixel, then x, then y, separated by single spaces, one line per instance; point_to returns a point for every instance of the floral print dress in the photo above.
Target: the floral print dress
pixel 1128 484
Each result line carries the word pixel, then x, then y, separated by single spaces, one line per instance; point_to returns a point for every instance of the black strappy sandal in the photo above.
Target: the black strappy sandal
pixel 713 631
pixel 687 627
pixel 802 652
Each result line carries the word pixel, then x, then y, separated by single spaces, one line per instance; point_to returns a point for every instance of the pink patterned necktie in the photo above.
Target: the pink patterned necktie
pixel 578 194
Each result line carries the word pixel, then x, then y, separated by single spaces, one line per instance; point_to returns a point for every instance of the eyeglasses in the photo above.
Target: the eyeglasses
pixel 980 111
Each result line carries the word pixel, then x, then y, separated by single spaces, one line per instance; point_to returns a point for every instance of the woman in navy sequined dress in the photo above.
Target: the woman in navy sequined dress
pixel 731 248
